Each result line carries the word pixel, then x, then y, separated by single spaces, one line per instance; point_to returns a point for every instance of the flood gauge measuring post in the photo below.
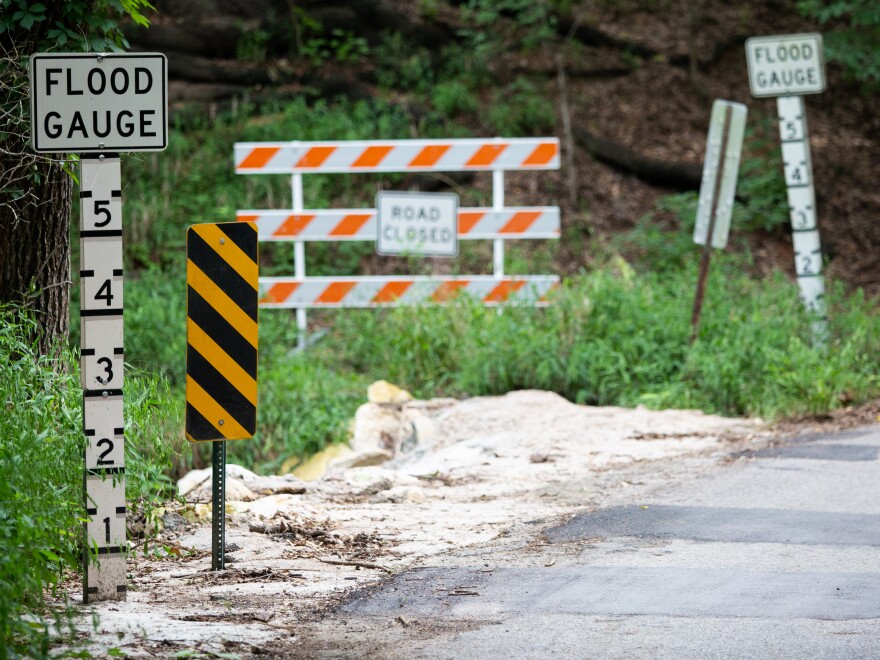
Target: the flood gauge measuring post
pixel 788 67
pixel 715 206
pixel 98 105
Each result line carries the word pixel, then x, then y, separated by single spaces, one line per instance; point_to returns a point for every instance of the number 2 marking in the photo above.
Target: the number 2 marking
pixel 101 443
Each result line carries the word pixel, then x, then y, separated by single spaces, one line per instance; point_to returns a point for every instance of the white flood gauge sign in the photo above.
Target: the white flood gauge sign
pixel 423 224
pixel 798 168
pixel 101 368
pixel 723 150
pixel 88 102
pixel 786 65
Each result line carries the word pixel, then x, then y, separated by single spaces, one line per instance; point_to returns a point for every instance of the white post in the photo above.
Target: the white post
pixel 299 259
pixel 498 204
pixel 101 367
pixel 802 206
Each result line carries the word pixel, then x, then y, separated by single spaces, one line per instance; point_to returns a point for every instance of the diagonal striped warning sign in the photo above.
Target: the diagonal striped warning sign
pixel 221 333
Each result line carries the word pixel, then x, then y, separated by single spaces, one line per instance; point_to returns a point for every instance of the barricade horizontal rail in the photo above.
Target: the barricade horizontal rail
pixel 397 156
pixel 533 222
pixel 390 291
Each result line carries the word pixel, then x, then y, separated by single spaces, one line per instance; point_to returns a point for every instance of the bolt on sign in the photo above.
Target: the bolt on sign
pixel 222 277
pixel 788 67
pixel 98 105
pixel 424 224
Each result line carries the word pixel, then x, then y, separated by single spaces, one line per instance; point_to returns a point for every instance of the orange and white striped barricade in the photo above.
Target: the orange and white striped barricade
pixel 397 156
pixel 534 222
pixel 390 291
pixel 369 156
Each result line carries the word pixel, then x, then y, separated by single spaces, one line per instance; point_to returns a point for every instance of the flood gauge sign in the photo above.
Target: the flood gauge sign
pixel 785 65
pixel 88 102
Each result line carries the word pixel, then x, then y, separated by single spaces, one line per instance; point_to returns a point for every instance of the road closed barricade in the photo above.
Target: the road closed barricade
pixel 497 223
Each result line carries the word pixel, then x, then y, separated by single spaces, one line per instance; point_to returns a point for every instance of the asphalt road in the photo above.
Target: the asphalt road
pixel 773 555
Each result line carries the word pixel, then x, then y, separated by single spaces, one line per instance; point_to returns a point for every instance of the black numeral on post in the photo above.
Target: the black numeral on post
pixel 108 368
pixel 107 529
pixel 109 443
pixel 102 207
pixel 104 293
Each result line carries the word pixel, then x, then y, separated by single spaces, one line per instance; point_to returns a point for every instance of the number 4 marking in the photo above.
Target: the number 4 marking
pixel 104 293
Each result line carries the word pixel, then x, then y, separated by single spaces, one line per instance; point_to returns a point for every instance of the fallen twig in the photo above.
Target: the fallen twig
pixel 360 564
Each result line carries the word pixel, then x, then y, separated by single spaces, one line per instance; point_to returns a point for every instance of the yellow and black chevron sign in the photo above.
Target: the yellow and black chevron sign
pixel 221 331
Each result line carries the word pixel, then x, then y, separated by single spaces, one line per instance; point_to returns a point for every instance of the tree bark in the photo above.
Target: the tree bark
pixel 682 176
pixel 35 251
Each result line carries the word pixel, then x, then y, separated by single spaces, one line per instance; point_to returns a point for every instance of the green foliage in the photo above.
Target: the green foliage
pixel 852 41
pixel 41 447
pixel 41 460
pixel 336 45
pixel 536 19
pixel 252 46
pixel 520 109
pixel 70 26
pixel 622 339
pixel 454 97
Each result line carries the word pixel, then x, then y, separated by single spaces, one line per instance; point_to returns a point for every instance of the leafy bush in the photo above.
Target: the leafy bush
pixel 520 109
pixel 609 339
pixel 853 38
pixel 41 460
pixel 41 448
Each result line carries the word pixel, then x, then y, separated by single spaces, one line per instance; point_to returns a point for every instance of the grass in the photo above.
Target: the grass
pixel 41 460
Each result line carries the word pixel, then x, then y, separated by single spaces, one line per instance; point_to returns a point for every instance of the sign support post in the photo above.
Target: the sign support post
pixel 98 105
pixel 801 194
pixel 218 505
pixel 788 67
pixel 715 206
pixel 299 260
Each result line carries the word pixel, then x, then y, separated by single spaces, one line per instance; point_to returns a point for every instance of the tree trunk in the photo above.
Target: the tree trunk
pixel 35 251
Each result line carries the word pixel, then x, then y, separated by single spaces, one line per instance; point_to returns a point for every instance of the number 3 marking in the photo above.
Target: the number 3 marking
pixel 108 368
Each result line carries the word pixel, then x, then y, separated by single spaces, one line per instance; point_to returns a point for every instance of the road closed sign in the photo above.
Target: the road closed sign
pixel 787 65
pixel 93 102
pixel 423 224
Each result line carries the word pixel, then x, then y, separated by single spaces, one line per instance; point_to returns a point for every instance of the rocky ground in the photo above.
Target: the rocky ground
pixel 422 478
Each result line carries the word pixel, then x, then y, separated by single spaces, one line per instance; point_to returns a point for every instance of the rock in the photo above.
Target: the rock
pixel 286 484
pixel 400 495
pixel 196 478
pixel 267 507
pixel 236 491
pixel 366 458
pixel 371 478
pixel 316 466
pixel 376 427
pixel 173 522
pixel 423 434
pixel 384 392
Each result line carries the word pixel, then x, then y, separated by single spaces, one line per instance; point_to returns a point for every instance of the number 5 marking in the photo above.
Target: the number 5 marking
pixel 102 208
